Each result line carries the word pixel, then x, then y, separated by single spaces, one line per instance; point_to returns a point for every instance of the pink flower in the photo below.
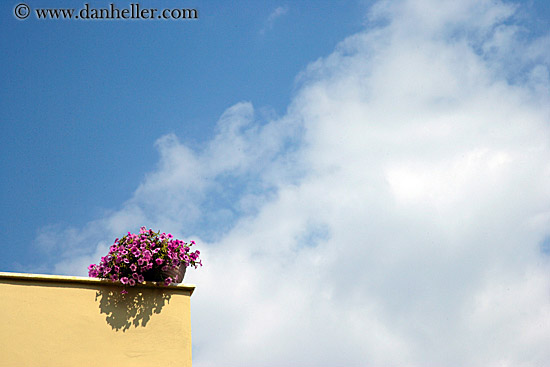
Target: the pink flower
pixel 135 254
pixel 124 291
pixel 168 281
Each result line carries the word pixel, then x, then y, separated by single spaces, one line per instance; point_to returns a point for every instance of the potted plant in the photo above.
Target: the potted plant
pixel 147 256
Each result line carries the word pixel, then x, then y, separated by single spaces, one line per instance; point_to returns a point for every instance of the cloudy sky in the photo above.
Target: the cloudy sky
pixel 368 183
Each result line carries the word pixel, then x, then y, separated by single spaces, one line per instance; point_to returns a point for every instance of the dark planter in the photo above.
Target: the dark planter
pixel 176 274
pixel 160 275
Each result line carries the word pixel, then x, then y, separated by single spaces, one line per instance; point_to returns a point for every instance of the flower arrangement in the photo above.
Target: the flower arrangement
pixel 148 255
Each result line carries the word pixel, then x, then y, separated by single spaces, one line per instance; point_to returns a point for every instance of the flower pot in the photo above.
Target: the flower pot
pixel 176 274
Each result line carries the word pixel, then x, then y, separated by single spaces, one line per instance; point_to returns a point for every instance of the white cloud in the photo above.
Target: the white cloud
pixel 273 16
pixel 394 216
pixel 278 12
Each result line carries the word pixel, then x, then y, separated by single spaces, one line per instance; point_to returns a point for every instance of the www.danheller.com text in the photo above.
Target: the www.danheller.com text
pixel 133 11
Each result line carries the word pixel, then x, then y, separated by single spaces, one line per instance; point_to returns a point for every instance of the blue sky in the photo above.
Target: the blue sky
pixel 374 173
pixel 84 102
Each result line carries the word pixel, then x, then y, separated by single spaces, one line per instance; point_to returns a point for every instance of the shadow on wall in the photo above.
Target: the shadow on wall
pixel 133 308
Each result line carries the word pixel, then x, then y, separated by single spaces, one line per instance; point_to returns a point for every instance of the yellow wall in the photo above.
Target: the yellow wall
pixel 74 321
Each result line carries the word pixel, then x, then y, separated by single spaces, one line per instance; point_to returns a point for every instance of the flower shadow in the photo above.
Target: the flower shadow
pixel 134 308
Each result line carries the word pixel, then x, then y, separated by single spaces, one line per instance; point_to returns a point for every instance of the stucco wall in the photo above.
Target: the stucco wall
pixel 74 321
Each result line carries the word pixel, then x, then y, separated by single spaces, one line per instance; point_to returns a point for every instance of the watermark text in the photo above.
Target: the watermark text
pixel 133 11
